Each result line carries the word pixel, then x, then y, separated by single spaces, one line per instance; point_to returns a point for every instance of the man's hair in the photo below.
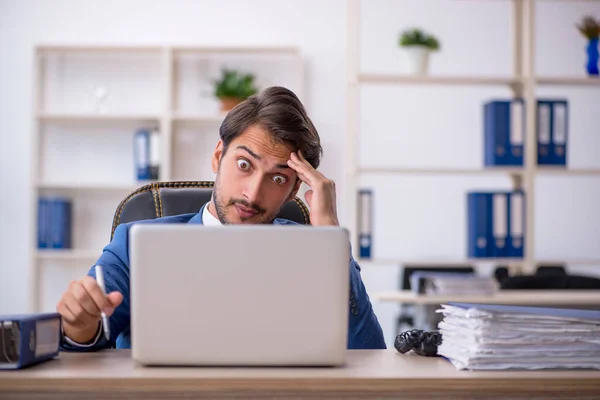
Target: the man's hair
pixel 279 111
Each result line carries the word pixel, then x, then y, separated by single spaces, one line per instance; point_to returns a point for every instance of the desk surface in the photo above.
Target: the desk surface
pixel 511 297
pixel 384 373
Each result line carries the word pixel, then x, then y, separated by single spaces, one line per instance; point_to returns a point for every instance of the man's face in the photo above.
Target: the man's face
pixel 253 179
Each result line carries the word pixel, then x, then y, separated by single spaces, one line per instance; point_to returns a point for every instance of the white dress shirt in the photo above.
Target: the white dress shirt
pixel 208 219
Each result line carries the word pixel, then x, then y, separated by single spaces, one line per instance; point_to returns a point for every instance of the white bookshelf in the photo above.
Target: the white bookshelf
pixel 82 143
pixel 523 82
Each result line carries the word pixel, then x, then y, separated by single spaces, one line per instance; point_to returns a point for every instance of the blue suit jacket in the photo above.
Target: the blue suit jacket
pixel 364 330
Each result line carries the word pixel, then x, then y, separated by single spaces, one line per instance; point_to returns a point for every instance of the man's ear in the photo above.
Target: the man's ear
pixel 217 155
pixel 295 189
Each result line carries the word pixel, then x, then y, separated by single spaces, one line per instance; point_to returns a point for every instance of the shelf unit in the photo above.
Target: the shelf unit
pixel 522 83
pixel 167 87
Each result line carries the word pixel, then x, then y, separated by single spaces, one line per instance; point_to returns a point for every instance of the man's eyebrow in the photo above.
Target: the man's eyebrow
pixel 253 154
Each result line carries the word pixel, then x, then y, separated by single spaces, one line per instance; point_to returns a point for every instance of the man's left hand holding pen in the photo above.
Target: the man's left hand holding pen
pixel 82 307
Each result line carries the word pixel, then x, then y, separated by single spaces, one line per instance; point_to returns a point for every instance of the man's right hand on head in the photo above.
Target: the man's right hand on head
pixel 80 307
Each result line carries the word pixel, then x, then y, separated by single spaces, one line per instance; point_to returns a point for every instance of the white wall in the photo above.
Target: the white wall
pixel 316 27
pixel 414 126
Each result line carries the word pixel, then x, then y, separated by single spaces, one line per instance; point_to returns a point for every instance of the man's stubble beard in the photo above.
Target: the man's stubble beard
pixel 221 205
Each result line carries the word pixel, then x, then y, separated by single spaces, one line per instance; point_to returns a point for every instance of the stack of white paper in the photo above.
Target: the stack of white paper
pixel 477 336
pixel 449 283
pixel 452 285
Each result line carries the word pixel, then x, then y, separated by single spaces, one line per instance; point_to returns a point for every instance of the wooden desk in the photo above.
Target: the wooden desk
pixel 382 374
pixel 554 298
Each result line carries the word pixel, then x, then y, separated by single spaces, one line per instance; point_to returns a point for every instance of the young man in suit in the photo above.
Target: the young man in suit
pixel 268 146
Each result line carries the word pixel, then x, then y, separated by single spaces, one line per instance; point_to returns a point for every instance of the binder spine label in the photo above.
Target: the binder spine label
pixel 560 126
pixel 544 124
pixel 517 129
pixel 500 224
pixel 516 224
pixel 559 132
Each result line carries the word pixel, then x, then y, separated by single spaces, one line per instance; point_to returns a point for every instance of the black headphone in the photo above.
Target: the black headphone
pixel 423 343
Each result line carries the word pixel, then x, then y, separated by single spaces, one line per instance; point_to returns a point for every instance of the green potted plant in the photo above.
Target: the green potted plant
pixel 418 45
pixel 590 28
pixel 233 87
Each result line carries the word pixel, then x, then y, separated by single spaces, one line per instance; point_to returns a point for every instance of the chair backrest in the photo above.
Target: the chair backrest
pixel 161 199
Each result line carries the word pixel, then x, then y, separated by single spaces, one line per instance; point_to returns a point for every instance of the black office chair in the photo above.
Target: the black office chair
pixel 546 277
pixel 161 199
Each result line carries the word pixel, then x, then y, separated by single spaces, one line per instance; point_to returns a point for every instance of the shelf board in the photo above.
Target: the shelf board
pixel 542 169
pixel 118 187
pixel 199 119
pixel 437 80
pixel 77 48
pixel 507 297
pixel 572 261
pixel 67 254
pixel 474 80
pixel 473 261
pixel 49 117
pixel 567 80
pixel 479 171
pixel 236 49
pixel 442 262
pixel 443 171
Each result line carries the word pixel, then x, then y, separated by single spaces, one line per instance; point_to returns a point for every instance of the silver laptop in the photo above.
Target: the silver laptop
pixel 239 295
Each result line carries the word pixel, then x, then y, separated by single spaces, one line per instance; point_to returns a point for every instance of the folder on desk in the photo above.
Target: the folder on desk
pixel 28 339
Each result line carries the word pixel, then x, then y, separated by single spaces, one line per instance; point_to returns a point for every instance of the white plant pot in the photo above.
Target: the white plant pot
pixel 417 60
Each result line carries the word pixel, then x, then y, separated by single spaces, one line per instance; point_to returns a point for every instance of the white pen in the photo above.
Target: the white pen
pixel 100 279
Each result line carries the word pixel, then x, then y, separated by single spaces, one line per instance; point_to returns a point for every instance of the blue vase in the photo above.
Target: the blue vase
pixel 592 53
